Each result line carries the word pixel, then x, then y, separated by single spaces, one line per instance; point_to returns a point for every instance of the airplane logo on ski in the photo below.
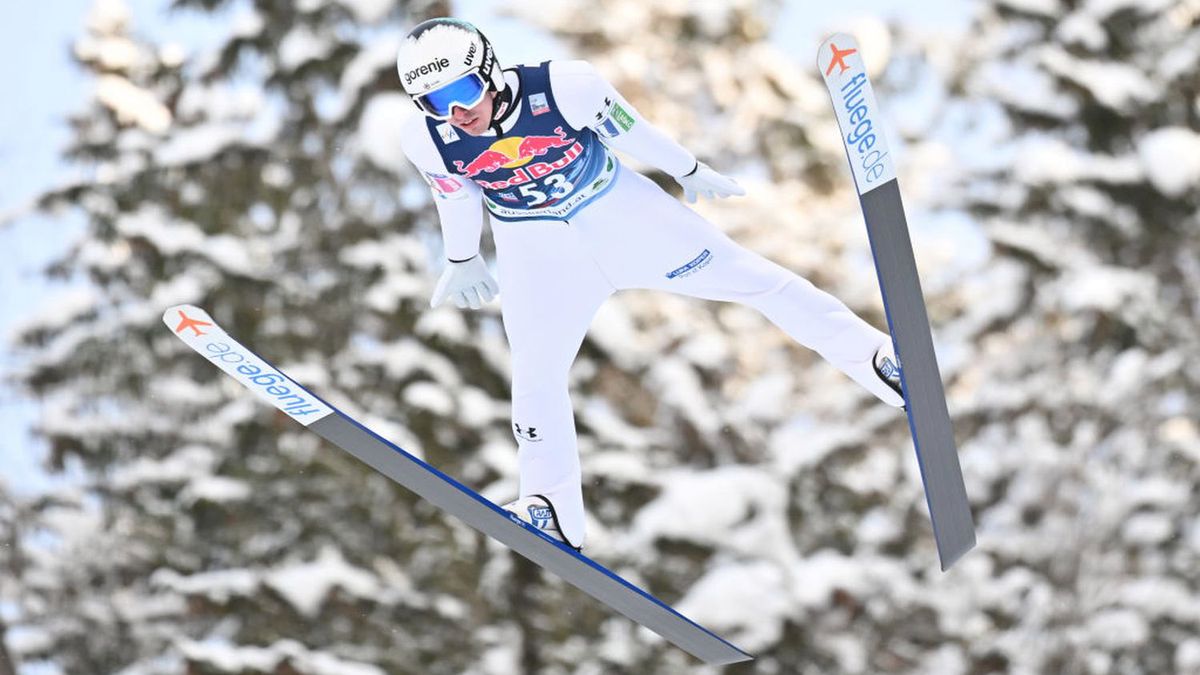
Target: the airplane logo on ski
pixel 186 322
pixel 839 59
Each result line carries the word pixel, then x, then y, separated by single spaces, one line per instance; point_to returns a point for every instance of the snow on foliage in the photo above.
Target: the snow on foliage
pixel 379 132
pixel 1049 176
pixel 1046 160
pixel 179 467
pixel 1171 159
pixel 109 16
pixel 197 145
pixel 307 584
pixel 133 104
pixel 302 45
pixel 1116 85
pixel 1075 492
pixel 174 237
pixel 738 507
pixel 378 56
pixel 66 307
pixel 223 656
pixel 1025 86
pixel 368 11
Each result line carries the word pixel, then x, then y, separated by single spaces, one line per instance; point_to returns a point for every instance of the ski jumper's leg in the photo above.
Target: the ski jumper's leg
pixel 644 238
pixel 550 290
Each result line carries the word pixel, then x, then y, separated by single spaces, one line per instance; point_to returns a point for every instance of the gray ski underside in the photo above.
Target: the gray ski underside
pixel 481 514
pixel 928 417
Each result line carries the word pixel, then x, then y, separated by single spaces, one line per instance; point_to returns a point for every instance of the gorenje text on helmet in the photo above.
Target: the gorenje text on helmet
pixel 434 66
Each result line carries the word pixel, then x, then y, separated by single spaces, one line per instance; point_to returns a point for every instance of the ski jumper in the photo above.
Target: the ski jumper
pixel 572 226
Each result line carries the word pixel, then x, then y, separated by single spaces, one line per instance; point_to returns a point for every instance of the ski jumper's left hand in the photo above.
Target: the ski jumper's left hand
pixel 702 180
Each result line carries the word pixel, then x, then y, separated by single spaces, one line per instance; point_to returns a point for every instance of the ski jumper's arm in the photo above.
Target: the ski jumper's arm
pixel 457 198
pixel 586 99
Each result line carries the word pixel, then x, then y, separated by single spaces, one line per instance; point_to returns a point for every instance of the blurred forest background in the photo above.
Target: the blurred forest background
pixel 1049 158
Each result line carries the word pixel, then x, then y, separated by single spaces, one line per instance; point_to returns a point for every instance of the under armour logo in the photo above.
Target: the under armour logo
pixel 530 434
pixel 604 111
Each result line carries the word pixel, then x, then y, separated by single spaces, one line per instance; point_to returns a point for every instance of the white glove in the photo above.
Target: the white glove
pixel 702 180
pixel 467 282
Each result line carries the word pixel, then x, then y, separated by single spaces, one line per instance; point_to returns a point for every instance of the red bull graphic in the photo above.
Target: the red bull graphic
pixel 489 160
pixel 534 171
pixel 534 146
pixel 515 152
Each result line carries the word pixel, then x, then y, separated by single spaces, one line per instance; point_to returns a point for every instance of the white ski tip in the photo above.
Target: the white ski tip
pixel 834 51
pixel 839 60
pixel 198 330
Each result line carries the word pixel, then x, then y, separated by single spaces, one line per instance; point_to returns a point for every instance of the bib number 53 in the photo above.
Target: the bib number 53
pixel 556 184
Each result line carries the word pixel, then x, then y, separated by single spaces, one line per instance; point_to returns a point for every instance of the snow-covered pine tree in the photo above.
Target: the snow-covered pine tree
pixel 208 534
pixel 215 537
pixel 1082 161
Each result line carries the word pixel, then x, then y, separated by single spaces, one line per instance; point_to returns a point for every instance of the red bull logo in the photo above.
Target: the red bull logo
pixel 516 152
pixel 535 146
pixel 487 161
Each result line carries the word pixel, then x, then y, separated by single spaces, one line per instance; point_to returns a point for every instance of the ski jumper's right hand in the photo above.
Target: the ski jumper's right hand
pixel 467 282
pixel 703 180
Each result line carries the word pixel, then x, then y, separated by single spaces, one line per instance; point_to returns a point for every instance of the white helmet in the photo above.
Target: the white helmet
pixel 442 52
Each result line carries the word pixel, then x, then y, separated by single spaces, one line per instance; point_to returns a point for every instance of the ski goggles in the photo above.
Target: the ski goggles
pixel 465 92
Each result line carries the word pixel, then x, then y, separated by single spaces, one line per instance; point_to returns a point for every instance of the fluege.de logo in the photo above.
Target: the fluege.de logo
pixel 196 328
pixel 265 381
pixel 862 138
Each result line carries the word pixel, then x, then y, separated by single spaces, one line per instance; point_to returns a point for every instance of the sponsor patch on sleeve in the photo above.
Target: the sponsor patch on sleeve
pixel 608 129
pixel 621 117
pixel 613 120
pixel 445 187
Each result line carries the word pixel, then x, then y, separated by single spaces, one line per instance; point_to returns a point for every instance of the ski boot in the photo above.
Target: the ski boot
pixel 887 367
pixel 537 511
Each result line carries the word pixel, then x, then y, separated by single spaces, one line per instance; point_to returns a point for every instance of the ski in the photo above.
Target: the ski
pixel 196 328
pixel 840 63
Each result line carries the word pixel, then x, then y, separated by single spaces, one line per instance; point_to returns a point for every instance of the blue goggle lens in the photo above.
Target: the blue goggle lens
pixel 467 91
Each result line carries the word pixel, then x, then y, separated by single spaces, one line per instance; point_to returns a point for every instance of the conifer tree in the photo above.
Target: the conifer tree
pixel 1081 169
